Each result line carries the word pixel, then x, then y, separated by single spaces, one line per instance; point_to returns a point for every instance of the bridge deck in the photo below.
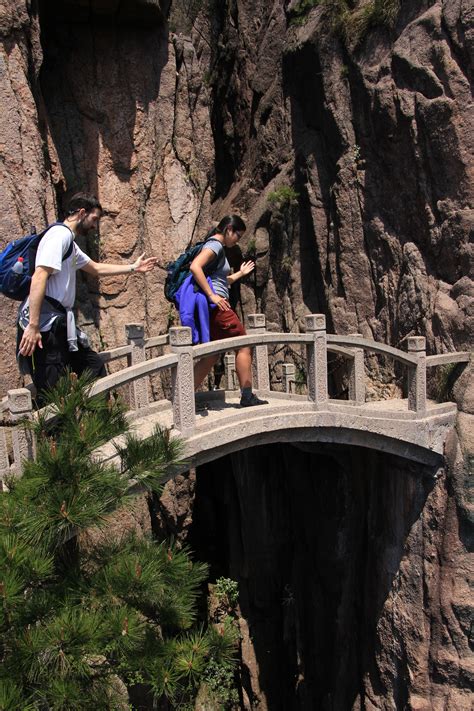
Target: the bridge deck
pixel 222 426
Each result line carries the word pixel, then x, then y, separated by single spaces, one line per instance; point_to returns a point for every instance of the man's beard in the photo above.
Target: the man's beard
pixel 84 231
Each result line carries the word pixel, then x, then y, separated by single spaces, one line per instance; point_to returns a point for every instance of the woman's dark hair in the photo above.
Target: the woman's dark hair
pixel 83 200
pixel 234 221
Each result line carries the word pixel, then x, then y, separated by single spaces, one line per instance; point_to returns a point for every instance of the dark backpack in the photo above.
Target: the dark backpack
pixel 178 270
pixel 17 286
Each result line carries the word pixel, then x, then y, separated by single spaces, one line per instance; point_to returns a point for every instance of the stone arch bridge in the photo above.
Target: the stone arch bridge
pixel 213 423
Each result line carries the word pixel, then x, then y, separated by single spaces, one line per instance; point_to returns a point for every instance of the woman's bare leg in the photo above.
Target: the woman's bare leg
pixel 243 366
pixel 202 368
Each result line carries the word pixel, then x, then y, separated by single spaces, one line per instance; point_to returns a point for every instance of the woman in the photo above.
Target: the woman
pixel 224 322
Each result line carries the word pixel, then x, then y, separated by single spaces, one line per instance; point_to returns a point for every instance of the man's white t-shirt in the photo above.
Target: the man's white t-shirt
pixel 61 284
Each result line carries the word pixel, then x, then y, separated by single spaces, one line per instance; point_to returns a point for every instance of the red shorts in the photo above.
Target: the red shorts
pixel 225 324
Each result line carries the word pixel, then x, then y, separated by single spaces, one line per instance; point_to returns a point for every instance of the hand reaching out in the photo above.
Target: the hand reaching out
pixel 247 267
pixel 144 265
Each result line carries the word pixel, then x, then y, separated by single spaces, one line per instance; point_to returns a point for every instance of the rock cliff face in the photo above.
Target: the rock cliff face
pixel 347 589
pixel 106 102
pixel 376 138
pixel 351 161
pixel 378 143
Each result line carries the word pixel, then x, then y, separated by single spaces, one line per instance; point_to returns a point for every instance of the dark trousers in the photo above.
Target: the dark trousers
pixel 49 363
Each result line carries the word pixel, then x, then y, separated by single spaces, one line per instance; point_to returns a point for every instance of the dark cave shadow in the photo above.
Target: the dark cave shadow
pixel 96 76
pixel 316 141
pixel 316 555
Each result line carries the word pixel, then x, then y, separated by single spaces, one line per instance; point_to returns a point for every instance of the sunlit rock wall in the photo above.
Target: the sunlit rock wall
pixel 109 103
pixel 377 139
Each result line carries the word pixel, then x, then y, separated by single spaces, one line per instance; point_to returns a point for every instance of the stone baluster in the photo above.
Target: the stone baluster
pixel 135 334
pixel 260 372
pixel 317 366
pixel 184 411
pixel 21 408
pixel 230 372
pixel 4 461
pixel 417 374
pixel 357 375
pixel 288 377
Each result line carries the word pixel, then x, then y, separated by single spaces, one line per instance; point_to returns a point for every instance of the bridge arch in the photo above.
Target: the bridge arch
pixel 404 438
pixel 327 435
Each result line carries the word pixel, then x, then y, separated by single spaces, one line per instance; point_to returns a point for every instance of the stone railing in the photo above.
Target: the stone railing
pixel 16 443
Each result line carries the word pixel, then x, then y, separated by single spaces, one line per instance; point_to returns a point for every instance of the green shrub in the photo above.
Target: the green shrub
pixel 283 197
pixel 354 24
pixel 220 678
pixel 356 152
pixel 227 590
pixel 252 246
pixel 301 10
pixel 287 263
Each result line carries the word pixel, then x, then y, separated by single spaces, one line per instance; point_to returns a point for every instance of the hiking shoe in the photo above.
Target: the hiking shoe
pixel 252 400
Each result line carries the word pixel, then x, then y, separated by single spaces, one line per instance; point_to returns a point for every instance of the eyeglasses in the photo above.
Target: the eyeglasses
pixel 239 234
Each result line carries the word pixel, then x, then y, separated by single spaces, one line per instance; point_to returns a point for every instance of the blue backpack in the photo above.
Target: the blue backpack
pixel 17 286
pixel 178 270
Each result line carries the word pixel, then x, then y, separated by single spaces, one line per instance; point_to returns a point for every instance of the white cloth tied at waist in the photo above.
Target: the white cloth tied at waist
pixel 48 315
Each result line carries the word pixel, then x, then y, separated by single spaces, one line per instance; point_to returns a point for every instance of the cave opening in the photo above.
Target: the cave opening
pixel 314 534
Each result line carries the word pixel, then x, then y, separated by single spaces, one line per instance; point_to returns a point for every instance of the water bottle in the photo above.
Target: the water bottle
pixel 18 266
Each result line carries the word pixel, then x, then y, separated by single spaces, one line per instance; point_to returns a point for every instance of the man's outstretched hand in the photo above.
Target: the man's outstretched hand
pixel 144 265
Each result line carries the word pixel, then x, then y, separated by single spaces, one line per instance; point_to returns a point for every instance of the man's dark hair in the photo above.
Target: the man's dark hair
pixel 83 200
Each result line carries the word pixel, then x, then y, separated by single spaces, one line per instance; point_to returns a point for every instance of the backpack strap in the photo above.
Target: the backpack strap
pixel 68 252
pixel 39 237
pixel 219 257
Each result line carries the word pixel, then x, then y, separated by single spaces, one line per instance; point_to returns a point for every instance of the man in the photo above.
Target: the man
pixel 49 341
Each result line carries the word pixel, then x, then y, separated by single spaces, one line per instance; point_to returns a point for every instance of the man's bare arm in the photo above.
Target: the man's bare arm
pixel 141 265
pixel 31 335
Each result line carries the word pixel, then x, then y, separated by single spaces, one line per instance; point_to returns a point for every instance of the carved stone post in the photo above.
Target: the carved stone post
pixel 230 373
pixel 261 376
pixel 288 377
pixel 20 407
pixel 316 354
pixel 4 461
pixel 357 375
pixel 184 411
pixel 135 334
pixel 417 374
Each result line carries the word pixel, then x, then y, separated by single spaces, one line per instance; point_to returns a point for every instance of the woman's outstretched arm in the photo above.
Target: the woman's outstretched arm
pixel 245 268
